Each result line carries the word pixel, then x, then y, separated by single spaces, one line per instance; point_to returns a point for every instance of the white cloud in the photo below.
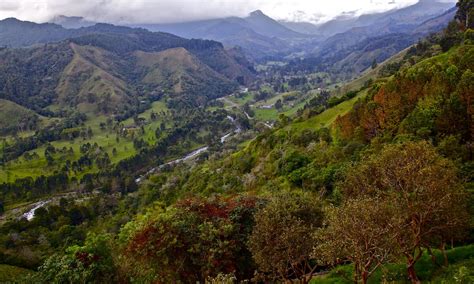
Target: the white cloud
pixel 159 11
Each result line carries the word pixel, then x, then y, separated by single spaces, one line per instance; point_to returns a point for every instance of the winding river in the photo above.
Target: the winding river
pixel 191 155
pixel 30 214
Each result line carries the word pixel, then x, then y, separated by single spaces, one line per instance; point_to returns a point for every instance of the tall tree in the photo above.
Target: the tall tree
pixel 465 13
pixel 282 238
pixel 362 231
pixel 424 188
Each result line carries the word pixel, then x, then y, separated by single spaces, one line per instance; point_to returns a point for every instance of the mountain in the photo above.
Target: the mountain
pixel 71 22
pixel 267 26
pixel 404 18
pixel 301 27
pixel 16 33
pixel 108 68
pixel 348 53
pixel 436 23
pixel 258 35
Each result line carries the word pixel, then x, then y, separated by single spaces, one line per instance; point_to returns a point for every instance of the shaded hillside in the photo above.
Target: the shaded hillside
pixel 92 77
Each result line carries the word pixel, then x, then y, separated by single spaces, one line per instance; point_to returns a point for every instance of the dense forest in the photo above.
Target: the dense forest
pixel 375 185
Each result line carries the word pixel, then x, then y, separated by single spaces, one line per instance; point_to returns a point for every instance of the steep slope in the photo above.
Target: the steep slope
pixel 431 99
pixel 436 23
pixel 178 70
pixel 89 78
pixel 29 77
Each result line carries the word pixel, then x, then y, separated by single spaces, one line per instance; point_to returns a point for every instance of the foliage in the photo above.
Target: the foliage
pixel 441 81
pixel 193 240
pixel 281 240
pixel 91 263
pixel 360 231
pixel 429 200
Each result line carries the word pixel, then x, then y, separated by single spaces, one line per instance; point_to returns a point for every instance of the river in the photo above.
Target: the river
pixel 30 214
pixel 191 155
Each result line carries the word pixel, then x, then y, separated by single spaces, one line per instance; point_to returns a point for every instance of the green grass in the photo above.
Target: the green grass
pixel 11 114
pixel 327 117
pixel 21 168
pixel 12 274
pixel 243 99
pixel 288 109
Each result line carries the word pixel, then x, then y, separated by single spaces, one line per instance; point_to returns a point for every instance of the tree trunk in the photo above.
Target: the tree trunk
pixel 365 277
pixel 443 251
pixel 433 257
pixel 412 273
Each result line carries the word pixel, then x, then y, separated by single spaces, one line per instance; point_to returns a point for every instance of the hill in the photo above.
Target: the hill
pixel 179 71
pixel 100 70
pixel 15 118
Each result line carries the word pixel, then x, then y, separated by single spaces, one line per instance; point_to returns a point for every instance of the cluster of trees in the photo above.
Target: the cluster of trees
pixel 29 188
pixel 431 99
pixel 47 134
pixel 26 122
pixel 23 73
pixel 334 101
pixel 53 228
pixel 396 204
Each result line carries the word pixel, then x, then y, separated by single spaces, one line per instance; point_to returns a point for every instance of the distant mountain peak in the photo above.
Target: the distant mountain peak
pixel 258 13
pixel 71 22
pixel 11 20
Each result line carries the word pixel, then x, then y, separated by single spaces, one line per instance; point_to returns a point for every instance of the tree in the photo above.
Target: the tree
pixel 424 187
pixel 362 231
pixel 91 263
pixel 465 13
pixel 281 241
pixel 374 64
pixel 278 105
pixel 191 241
pixel 2 209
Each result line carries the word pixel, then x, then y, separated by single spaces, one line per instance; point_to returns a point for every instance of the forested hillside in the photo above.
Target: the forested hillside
pixel 370 182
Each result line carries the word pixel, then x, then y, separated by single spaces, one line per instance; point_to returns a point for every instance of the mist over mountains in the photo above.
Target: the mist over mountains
pixel 261 37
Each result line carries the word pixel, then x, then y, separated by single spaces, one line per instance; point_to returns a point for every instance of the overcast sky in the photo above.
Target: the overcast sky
pixel 166 11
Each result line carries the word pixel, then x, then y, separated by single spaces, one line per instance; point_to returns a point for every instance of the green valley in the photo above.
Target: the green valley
pixel 341 156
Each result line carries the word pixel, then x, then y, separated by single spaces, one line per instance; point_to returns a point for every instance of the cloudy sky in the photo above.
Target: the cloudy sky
pixel 166 11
